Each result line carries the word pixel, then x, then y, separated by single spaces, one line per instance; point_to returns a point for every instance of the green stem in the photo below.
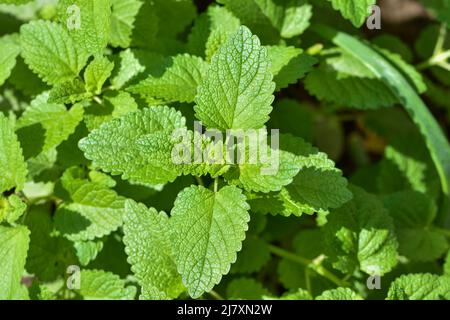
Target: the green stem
pixel 98 100
pixel 216 184
pixel 215 295
pixel 436 60
pixel 109 88
pixel 324 272
pixel 308 281
pixel 439 56
pixel 23 218
pixel 315 265
pixel 199 181
pixel 289 255
pixel 440 40
pixel 445 65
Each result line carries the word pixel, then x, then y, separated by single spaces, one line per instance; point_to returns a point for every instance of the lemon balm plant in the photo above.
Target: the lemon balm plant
pixel 172 149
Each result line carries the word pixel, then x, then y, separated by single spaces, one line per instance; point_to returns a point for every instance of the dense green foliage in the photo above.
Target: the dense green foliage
pixel 95 205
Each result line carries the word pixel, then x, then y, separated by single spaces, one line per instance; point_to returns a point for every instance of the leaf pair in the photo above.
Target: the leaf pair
pixel 199 241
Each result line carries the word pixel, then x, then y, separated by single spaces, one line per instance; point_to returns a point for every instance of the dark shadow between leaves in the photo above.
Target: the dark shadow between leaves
pixel 70 222
pixel 32 139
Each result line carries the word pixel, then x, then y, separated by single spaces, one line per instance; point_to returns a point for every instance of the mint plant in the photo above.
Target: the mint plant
pixel 173 149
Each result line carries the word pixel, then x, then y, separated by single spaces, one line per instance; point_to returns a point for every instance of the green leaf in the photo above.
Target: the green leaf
pixel 404 166
pixel 361 235
pixel 436 142
pixel 296 20
pixel 49 255
pixel 348 92
pixel 413 215
pixel 253 256
pixel 305 193
pixel 237 91
pixel 264 177
pixel 178 83
pixel 146 27
pixel 57 122
pixel 310 245
pixel 346 81
pixel 420 287
pixel 211 30
pixel 10 49
pixel 42 292
pixel 12 165
pixel 179 14
pixel 16 2
pixel 92 211
pixel 96 74
pixel 447 265
pixel 346 65
pixel 129 68
pixel 68 152
pixel 50 52
pixel 92 33
pixel 137 145
pixel 441 8
pixel 123 16
pixel 339 294
pixel 346 71
pixel 11 208
pixel 254 14
pixel 319 189
pixel 68 92
pixel 113 258
pixel 271 18
pixel 87 251
pixel 113 106
pixel 24 80
pixel 189 161
pixel 148 247
pixel 13 252
pixel 101 285
pixel 307 155
pixel 411 74
pixel 289 64
pixel 395 45
pixel 102 178
pixel 207 230
pixel 354 10
pixel 246 289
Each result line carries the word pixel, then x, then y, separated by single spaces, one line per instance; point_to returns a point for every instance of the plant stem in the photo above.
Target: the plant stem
pixel 315 265
pixel 215 295
pixel 98 100
pixel 199 181
pixel 308 281
pixel 441 40
pixel 324 272
pixel 109 88
pixel 216 184
pixel 436 60
pixel 445 65
pixel 289 255
pixel 439 56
